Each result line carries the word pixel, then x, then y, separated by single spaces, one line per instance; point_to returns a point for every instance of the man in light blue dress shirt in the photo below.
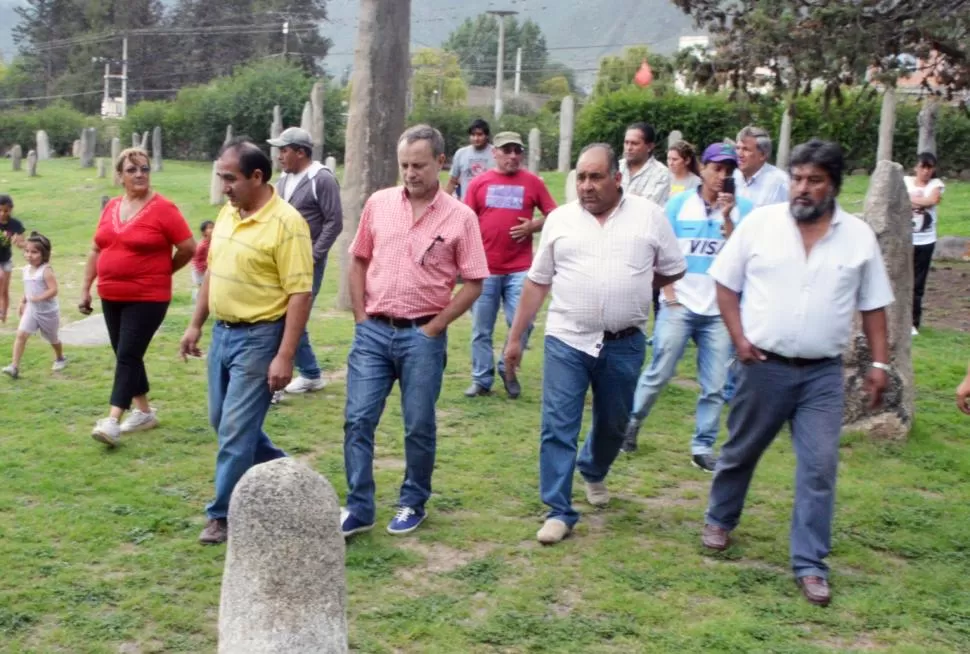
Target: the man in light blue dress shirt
pixel 756 179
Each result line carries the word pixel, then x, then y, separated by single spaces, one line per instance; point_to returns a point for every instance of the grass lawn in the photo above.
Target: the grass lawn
pixel 98 548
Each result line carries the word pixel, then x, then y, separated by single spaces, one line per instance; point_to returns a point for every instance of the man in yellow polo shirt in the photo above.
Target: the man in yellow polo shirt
pixel 258 289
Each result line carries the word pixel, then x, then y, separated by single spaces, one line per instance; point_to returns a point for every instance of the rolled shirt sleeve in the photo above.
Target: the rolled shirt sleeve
pixel 294 258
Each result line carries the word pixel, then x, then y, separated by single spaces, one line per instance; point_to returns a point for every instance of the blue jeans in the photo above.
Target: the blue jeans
pixel 675 326
pixel 305 360
pixel 567 374
pixel 239 398
pixel 810 400
pixel 496 290
pixel 379 355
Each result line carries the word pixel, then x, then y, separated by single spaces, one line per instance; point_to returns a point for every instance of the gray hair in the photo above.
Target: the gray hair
pixel 610 155
pixel 760 135
pixel 424 133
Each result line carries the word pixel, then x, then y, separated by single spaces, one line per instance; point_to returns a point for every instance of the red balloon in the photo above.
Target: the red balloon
pixel 644 76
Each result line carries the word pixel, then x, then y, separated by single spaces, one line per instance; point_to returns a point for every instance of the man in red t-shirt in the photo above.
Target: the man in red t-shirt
pixel 505 200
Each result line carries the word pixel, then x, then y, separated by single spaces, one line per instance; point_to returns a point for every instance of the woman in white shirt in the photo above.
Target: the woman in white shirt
pixel 925 192
pixel 684 172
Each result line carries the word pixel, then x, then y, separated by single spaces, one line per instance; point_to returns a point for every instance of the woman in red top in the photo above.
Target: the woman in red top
pixel 133 261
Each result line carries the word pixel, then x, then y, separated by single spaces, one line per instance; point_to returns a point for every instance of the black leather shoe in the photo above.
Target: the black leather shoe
pixel 512 386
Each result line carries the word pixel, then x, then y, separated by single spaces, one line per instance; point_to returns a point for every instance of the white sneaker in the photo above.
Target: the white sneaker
pixel 139 421
pixel 303 385
pixel 914 332
pixel 12 371
pixel 107 431
pixel 277 397
pixel 597 493
pixel 553 531
pixel 59 364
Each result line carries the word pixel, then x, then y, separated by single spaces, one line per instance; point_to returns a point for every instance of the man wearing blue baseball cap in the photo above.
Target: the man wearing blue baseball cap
pixel 702 220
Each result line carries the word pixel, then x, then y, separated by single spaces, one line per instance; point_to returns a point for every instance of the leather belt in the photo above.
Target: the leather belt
pixel 401 323
pixel 623 333
pixel 797 362
pixel 237 325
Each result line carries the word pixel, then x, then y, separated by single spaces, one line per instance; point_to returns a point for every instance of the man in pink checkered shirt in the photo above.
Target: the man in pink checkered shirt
pixel 412 243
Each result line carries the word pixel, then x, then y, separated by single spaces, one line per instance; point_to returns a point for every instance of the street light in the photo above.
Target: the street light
pixel 500 64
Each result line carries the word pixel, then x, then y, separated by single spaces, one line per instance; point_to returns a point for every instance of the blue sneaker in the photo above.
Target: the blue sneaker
pixel 406 520
pixel 349 525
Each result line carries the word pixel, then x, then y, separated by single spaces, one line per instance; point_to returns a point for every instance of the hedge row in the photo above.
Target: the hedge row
pixel 62 123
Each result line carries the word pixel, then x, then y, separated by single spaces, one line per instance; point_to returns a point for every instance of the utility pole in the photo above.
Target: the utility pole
pixel 500 64
pixel 124 77
pixel 286 36
pixel 518 70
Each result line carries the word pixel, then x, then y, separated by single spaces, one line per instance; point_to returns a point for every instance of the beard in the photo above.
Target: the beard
pixel 806 213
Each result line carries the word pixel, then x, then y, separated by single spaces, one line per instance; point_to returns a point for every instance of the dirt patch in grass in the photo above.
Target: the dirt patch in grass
pixel 389 463
pixel 566 600
pixel 441 559
pixel 339 375
pixel 689 493
pixel 862 642
pixel 946 303
pixel 686 383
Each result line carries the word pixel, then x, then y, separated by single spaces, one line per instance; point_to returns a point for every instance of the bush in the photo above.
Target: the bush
pixel 705 119
pixel 62 123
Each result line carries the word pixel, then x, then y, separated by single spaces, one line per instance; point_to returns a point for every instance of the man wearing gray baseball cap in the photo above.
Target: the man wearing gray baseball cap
pixel 311 189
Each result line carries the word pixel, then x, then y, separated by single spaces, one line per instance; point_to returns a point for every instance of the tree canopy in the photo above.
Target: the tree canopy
pixel 437 79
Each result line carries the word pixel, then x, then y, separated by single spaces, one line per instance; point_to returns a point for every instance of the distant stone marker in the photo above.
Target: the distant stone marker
pixel 135 140
pixel 144 141
pixel 228 138
pixel 102 168
pixel 215 188
pixel 888 212
pixel 672 138
pixel 76 149
pixel 566 121
pixel 32 164
pixel 87 332
pixel 16 156
pixel 283 585
pixel 275 128
pixel 157 149
pixel 571 194
pixel 331 163
pixel 115 151
pixel 317 119
pixel 88 141
pixel 306 119
pixel 43 146
pixel 535 150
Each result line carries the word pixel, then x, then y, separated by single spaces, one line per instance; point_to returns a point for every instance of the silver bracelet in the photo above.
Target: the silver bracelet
pixel 881 366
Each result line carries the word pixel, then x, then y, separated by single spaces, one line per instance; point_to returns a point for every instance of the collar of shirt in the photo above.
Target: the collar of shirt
pixel 406 199
pixel 616 210
pixel 264 212
pixel 647 165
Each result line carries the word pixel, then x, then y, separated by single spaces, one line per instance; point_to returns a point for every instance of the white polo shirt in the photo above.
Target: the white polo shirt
pixel 799 306
pixel 767 186
pixel 602 275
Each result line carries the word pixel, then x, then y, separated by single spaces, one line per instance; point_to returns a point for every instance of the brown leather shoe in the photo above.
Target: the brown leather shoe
pixel 216 531
pixel 815 589
pixel 715 538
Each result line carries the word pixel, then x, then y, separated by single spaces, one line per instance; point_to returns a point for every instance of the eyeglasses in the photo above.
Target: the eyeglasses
pixel 131 170
pixel 512 149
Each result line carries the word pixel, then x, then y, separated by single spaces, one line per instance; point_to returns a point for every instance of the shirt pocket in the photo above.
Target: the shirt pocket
pixel 846 278
pixel 431 252
pixel 635 253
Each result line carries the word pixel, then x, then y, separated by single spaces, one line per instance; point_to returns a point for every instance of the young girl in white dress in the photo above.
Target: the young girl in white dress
pixel 39 311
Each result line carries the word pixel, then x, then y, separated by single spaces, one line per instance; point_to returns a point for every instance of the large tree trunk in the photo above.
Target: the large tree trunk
pixel 927 125
pixel 887 124
pixel 377 114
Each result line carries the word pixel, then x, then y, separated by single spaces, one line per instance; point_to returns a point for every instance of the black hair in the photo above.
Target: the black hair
pixel 827 155
pixel 43 243
pixel 649 133
pixel 205 223
pixel 925 158
pixel 6 200
pixel 301 148
pixel 480 123
pixel 614 161
pixel 251 158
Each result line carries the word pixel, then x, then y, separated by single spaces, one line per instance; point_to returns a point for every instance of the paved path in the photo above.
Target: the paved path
pixel 90 331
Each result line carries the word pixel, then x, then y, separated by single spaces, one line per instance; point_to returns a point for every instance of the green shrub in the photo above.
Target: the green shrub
pixel 62 123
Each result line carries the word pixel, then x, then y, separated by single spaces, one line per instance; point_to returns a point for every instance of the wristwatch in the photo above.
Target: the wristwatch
pixel 881 366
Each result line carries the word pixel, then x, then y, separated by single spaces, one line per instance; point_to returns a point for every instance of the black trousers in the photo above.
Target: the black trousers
pixel 922 258
pixel 131 326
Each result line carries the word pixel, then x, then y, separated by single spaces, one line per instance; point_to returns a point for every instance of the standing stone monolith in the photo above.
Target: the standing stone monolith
pixel 157 149
pixel 76 149
pixel 144 141
pixel 927 125
pixel 571 193
pixel 316 119
pixel 16 156
pixel 673 138
pixel 102 168
pixel 275 128
pixel 43 146
pixel 215 187
pixel 135 140
pixel 283 583
pixel 228 138
pixel 784 139
pixel 535 150
pixel 306 118
pixel 887 125
pixel 115 149
pixel 566 133
pixel 888 212
pixel 378 105
pixel 331 163
pixel 32 163
pixel 89 137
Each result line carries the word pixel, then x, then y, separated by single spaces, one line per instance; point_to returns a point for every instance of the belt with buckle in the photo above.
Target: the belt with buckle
pixel 797 362
pixel 237 325
pixel 401 323
pixel 623 333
